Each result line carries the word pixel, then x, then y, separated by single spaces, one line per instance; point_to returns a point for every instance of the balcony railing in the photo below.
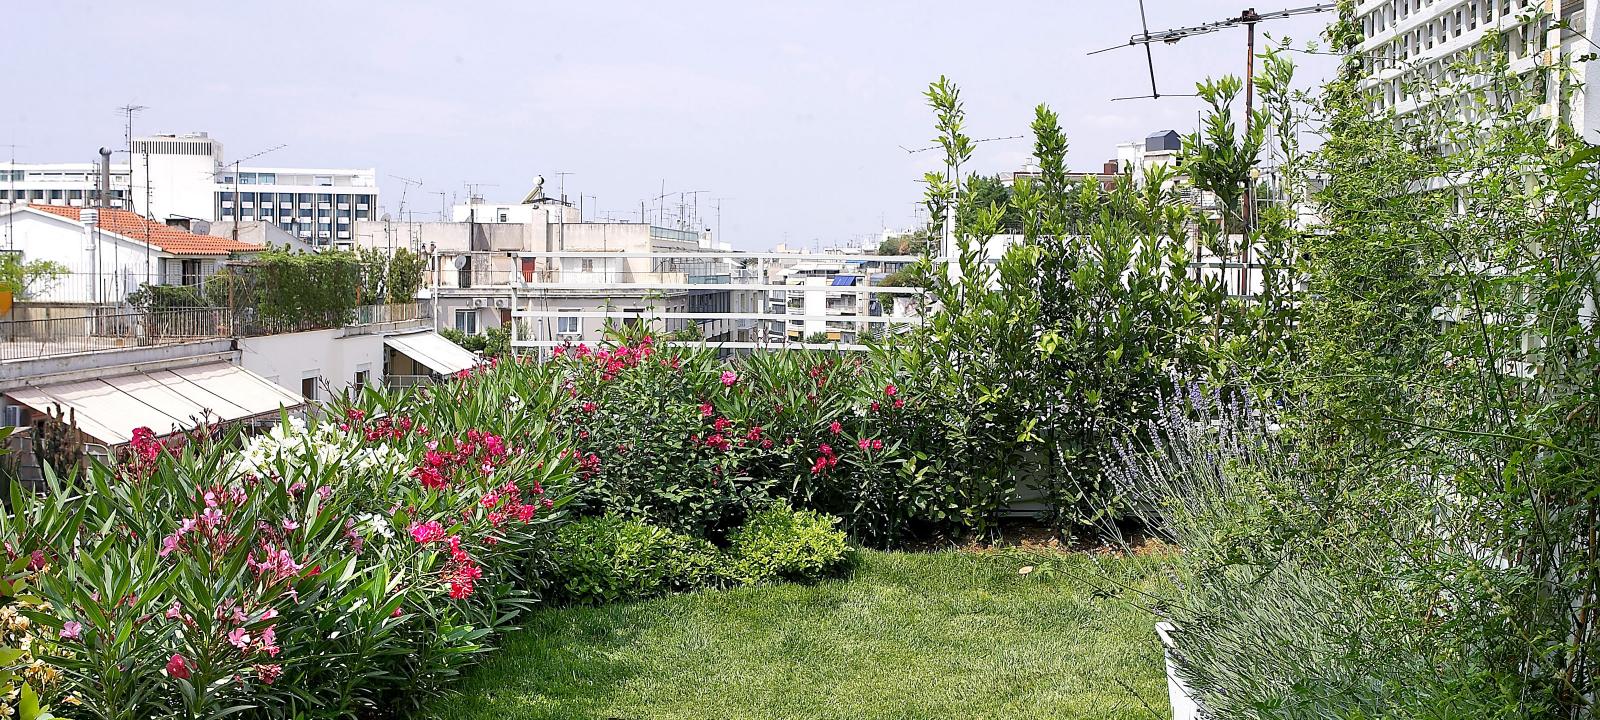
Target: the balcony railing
pixel 747 280
pixel 72 330
pixel 107 329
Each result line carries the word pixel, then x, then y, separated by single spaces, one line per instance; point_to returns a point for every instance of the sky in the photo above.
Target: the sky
pixel 794 117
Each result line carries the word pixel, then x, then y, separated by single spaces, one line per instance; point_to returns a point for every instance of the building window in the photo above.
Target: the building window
pixel 191 273
pixel 323 181
pixel 467 321
pixel 587 265
pixel 568 325
pixel 308 388
pixel 359 384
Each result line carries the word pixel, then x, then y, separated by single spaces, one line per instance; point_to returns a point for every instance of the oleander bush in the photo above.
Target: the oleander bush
pixel 315 571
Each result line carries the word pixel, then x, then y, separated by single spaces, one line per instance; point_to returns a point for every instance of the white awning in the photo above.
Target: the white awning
pixel 433 350
pixel 166 401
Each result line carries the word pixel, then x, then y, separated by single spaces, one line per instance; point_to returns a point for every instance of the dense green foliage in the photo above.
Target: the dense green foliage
pixel 781 543
pixel 493 342
pixel 609 559
pixel 1411 532
pixel 947 634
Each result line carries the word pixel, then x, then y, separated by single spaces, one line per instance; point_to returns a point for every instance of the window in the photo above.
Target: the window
pixel 359 383
pixel 504 216
pixel 568 325
pixel 467 321
pixel 308 388
pixel 191 272
pixel 323 181
pixel 587 264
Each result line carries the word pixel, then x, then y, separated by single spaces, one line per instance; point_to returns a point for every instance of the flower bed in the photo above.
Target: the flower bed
pixel 326 570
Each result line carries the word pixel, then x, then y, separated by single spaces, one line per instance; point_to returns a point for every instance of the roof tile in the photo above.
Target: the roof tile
pixel 167 238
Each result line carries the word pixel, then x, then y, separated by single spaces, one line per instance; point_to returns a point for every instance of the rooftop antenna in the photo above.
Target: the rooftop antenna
pixel 11 179
pixel 561 180
pixel 1248 18
pixel 128 111
pixel 405 187
pixel 237 205
pixel 694 219
pixel 718 205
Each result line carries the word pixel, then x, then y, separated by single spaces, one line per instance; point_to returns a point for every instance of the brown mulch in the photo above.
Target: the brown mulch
pixel 1033 536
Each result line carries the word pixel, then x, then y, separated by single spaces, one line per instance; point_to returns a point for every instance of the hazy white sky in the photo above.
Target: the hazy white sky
pixel 792 112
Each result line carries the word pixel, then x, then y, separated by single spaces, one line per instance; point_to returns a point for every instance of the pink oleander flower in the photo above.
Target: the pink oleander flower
pixel 270 673
pixel 890 390
pixel 729 377
pixel 863 443
pixel 178 667
pixel 72 630
pixel 834 427
pixel 706 409
pixel 238 638
pixel 175 612
pixel 427 532
pixel 877 444
pixel 898 403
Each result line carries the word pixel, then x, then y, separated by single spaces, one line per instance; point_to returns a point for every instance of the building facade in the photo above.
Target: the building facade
pixel 563 280
pixel 186 177
pixel 1409 45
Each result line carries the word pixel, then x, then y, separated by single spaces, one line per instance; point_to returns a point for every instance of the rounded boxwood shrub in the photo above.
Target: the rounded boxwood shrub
pixel 781 543
pixel 611 559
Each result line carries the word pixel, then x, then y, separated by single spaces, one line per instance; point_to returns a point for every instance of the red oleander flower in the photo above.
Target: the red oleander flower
pixel 178 667
pixel 427 532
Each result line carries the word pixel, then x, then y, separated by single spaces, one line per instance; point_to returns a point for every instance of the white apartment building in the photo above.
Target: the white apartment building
pixel 187 177
pixel 561 279
pixel 1408 43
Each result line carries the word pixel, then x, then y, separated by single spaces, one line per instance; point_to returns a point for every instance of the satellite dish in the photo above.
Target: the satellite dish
pixel 462 261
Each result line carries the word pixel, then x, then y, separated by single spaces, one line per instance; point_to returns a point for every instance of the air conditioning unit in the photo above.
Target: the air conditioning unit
pixel 480 302
pixel 502 303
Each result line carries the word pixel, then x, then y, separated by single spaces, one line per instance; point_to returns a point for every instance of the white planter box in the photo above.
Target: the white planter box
pixel 1184 706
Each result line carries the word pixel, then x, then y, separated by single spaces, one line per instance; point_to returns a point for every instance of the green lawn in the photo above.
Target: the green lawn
pixel 909 635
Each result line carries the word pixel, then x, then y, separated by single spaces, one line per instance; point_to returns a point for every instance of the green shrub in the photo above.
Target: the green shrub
pixel 786 544
pixel 610 559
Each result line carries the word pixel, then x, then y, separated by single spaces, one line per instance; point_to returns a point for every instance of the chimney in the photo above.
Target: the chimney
pixel 1111 167
pixel 90 217
pixel 105 178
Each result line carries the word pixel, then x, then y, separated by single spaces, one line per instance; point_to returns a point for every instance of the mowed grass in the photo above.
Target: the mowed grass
pixel 947 634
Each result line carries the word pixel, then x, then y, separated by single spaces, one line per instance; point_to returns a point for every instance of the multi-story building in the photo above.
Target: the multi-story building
pixel 1409 45
pixel 564 280
pixel 186 177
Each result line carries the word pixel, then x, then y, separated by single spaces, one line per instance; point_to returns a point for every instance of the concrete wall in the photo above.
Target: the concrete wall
pixel 123 265
pixel 332 356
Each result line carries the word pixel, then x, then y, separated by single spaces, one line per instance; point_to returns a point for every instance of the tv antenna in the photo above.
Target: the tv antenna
pixel 1248 18
pixel 910 151
pixel 405 186
pixel 238 206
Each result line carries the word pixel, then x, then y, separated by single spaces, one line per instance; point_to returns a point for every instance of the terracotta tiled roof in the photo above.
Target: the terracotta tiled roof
pixel 167 238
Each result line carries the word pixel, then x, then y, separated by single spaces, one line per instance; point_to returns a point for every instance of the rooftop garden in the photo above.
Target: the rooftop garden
pixel 1365 488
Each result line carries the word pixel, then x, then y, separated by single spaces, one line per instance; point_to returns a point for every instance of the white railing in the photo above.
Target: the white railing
pixel 815 306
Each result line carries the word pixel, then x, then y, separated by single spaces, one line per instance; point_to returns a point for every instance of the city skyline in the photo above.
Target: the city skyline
pixel 800 140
